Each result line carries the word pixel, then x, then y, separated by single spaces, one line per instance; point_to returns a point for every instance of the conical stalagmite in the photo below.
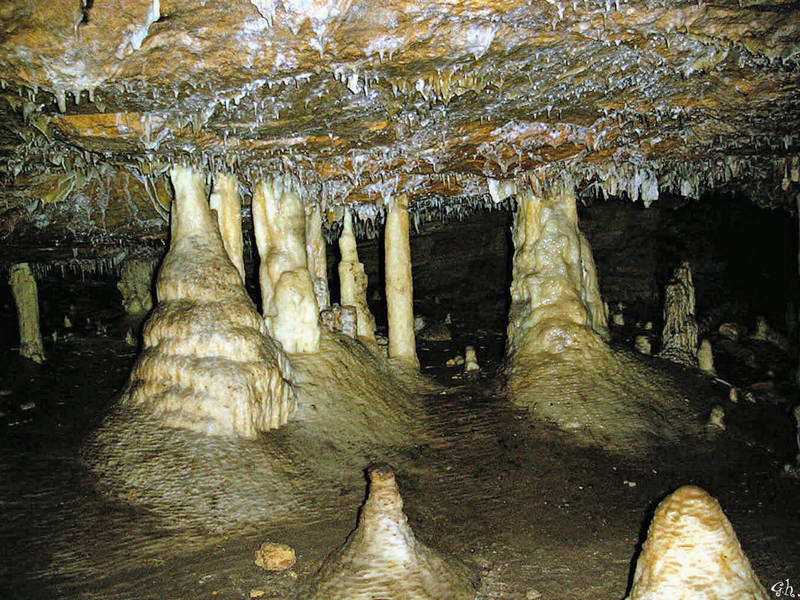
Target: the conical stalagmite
pixel 382 558
pixel 692 553
pixel 287 290
pixel 353 280
pixel 135 285
pixel 679 338
pixel 26 297
pixel 207 363
pixel 399 287
pixel 225 200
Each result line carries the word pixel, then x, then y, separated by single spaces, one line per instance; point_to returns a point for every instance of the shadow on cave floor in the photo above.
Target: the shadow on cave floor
pixel 491 488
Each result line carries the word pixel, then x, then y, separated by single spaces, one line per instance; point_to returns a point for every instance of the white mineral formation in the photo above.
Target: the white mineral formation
pixel 705 358
pixel 316 256
pixel 692 553
pixel 135 285
pixel 618 319
pixel 471 359
pixel 555 299
pixel 716 420
pixel 353 280
pixel 207 363
pixel 26 297
pixel 226 201
pixel 399 288
pixel 382 558
pixel 287 290
pixel 679 338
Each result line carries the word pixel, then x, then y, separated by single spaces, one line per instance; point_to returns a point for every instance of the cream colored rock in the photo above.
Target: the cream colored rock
pixel 716 420
pixel 471 360
pixel 399 287
pixel 136 284
pixel 353 280
pixel 555 299
pixel 679 338
pixel 642 344
pixel 275 557
pixel 227 203
pixel 287 289
pixel 316 255
pixel 618 319
pixel 383 559
pixel 692 553
pixel 705 358
pixel 26 297
pixel 207 364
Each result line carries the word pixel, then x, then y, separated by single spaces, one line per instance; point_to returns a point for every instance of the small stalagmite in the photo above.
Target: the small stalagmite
pixel 705 358
pixel 207 363
pixel 679 338
pixel 692 553
pixel 287 289
pixel 135 285
pixel 316 255
pixel 383 559
pixel 26 297
pixel 225 200
pixel 353 280
pixel 399 287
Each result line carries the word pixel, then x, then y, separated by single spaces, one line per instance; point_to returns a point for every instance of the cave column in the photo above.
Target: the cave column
pixel 287 290
pixel 399 288
pixel 26 297
pixel 353 280
pixel 316 257
pixel 555 298
pixel 226 201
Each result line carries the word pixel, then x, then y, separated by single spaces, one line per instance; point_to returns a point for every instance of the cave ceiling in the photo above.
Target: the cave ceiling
pixel 358 101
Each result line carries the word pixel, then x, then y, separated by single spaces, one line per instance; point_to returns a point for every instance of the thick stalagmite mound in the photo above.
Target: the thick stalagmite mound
pixel 383 559
pixel 692 553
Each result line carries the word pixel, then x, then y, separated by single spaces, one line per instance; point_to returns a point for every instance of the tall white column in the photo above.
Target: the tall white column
pixel 315 255
pixel 399 288
pixel 26 297
pixel 226 201
pixel 353 280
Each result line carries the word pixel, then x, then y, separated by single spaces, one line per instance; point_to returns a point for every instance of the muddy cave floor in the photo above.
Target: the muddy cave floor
pixel 494 489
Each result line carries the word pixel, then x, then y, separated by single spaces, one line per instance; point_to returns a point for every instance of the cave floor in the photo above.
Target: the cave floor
pixel 532 513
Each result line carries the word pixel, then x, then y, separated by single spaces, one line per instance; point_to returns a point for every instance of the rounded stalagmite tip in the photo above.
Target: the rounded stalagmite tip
pixel 692 553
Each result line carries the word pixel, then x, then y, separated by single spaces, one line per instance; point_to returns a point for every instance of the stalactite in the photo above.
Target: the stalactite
pixel 207 364
pixel 399 288
pixel 287 291
pixel 555 298
pixel 225 200
pixel 26 297
pixel 679 338
pixel 383 559
pixel 692 552
pixel 353 280
pixel 316 256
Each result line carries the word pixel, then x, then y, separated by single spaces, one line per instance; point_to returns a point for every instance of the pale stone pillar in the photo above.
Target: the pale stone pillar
pixel 226 201
pixel 316 257
pixel 679 338
pixel 353 280
pixel 287 290
pixel 555 298
pixel 399 288
pixel 26 297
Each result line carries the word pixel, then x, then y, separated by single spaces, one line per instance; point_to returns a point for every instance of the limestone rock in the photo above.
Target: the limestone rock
pixel 275 557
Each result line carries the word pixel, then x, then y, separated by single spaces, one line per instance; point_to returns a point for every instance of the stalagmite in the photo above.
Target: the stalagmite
pixel 135 285
pixel 679 338
pixel 353 280
pixel 226 201
pixel 716 420
pixel 692 553
pixel 555 299
pixel 26 297
pixel 316 256
pixel 399 288
pixel 207 363
pixel 705 358
pixel 642 344
pixel 287 290
pixel 471 359
pixel 382 558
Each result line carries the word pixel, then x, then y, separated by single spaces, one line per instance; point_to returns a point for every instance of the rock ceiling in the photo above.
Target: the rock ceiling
pixel 359 100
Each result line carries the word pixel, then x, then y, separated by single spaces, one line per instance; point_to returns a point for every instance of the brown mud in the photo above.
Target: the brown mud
pixel 489 487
